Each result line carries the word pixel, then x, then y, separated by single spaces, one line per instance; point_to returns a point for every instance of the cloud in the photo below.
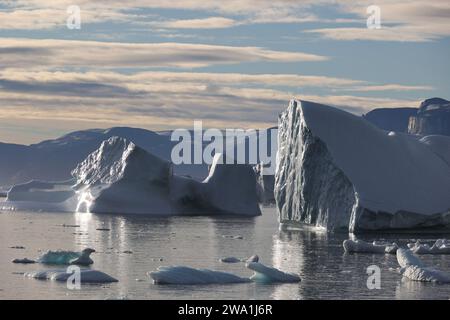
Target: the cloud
pixel 67 53
pixel 207 23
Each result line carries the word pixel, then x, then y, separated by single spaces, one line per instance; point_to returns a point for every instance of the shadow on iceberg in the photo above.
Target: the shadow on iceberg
pixel 120 177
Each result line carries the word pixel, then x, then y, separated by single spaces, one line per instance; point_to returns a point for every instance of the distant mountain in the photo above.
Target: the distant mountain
pixel 395 119
pixel 53 160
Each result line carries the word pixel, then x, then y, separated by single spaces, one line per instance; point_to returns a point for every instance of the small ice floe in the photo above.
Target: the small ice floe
pixel 86 276
pixel 23 261
pixel 414 269
pixel 190 276
pixel 441 246
pixel 67 257
pixel 238 237
pixel 230 260
pixel 264 274
pixel 360 246
pixel 253 258
pixel 17 247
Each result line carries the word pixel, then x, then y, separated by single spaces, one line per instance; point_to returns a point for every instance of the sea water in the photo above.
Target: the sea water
pixel 129 246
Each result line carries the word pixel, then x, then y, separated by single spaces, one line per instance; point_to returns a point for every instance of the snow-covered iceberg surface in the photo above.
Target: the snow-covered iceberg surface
pixel 122 178
pixel 265 274
pixel 190 276
pixel 414 269
pixel 360 246
pixel 86 276
pixel 61 257
pixel 336 170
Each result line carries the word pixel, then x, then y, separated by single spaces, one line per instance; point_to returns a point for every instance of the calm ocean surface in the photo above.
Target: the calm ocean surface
pixel 318 257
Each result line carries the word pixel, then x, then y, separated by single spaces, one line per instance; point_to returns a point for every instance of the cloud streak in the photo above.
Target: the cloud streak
pixel 68 53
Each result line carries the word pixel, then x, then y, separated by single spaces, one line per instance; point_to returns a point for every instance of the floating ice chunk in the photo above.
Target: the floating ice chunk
pixel 23 261
pixel 366 247
pixel 86 276
pixel 266 274
pixel 441 246
pixel 67 257
pixel 230 260
pixel 253 258
pixel 190 276
pixel 414 269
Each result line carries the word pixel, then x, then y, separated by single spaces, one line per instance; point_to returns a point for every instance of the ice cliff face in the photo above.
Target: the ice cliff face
pixel 265 185
pixel 120 177
pixel 337 171
pixel 433 117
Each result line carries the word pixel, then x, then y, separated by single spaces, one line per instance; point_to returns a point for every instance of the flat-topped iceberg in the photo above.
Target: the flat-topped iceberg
pixel 337 171
pixel 119 177
pixel 414 269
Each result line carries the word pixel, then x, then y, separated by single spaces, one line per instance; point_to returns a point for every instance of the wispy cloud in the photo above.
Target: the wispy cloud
pixel 24 53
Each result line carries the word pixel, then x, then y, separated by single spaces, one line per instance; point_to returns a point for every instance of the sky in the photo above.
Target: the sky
pixel 232 64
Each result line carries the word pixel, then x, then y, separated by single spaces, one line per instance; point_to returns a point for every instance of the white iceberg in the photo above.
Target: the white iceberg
pixel 360 246
pixel 61 257
pixel 86 276
pixel 441 246
pixel 337 171
pixel 414 269
pixel 190 276
pixel 122 178
pixel 265 274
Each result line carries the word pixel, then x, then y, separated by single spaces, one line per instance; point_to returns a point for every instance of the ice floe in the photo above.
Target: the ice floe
pixel 86 276
pixel 230 260
pixel 265 274
pixel 441 246
pixel 355 246
pixel 190 276
pixel 24 261
pixel 414 269
pixel 61 257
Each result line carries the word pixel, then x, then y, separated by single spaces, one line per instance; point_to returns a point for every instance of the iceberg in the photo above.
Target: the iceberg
pixel 61 257
pixel 86 276
pixel 120 177
pixel 360 246
pixel 337 171
pixel 190 276
pixel 265 274
pixel 414 269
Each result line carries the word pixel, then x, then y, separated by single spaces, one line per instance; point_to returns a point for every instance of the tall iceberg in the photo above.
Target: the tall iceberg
pixel 337 171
